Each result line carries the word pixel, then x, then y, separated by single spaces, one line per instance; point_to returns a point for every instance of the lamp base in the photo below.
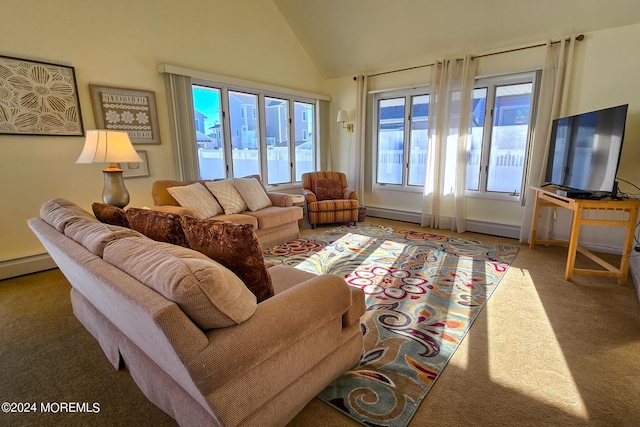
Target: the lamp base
pixel 114 193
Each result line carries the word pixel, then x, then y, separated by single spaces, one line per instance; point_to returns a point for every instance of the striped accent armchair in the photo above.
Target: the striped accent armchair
pixel 341 206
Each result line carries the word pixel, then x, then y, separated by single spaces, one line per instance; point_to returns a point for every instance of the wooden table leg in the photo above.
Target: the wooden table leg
pixel 573 243
pixel 534 223
pixel 628 247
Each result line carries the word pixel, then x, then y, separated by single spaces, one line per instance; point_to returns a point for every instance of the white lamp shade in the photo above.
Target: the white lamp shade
pixel 343 116
pixel 108 146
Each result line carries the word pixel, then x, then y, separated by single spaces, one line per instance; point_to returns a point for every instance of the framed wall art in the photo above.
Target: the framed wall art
pixel 130 110
pixel 136 170
pixel 38 98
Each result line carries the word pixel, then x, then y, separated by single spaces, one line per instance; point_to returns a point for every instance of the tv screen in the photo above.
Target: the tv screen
pixel 584 150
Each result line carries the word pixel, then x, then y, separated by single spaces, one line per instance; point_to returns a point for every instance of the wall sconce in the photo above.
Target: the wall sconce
pixel 343 116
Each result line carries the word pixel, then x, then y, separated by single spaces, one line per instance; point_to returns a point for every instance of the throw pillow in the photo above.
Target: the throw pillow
pixel 228 196
pixel 252 193
pixel 236 247
pixel 110 214
pixel 327 189
pixel 156 225
pixel 196 197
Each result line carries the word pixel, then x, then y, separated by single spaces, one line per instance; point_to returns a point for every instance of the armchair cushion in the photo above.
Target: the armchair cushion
pixel 197 198
pixel 236 247
pixel 159 226
pixel 110 214
pixel 327 189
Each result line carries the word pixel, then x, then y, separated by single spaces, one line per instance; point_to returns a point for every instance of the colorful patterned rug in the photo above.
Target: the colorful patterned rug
pixel 423 292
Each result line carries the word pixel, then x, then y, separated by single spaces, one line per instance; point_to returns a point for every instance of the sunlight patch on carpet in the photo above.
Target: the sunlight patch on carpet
pixel 423 291
pixel 549 377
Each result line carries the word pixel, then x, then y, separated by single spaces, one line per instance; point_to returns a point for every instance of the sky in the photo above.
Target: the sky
pixel 207 101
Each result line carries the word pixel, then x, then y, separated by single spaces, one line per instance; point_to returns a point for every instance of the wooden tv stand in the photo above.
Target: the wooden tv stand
pixel 619 213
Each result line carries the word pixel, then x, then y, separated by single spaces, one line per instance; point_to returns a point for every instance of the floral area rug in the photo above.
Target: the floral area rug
pixel 423 292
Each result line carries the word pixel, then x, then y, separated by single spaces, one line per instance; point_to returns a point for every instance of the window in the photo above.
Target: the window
pixel 208 132
pixel 244 132
pixel 304 131
pixel 279 149
pixel 402 128
pixel 499 144
pixel 500 125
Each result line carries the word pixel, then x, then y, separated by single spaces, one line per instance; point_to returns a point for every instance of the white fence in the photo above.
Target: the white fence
pixel 247 162
pixel 505 168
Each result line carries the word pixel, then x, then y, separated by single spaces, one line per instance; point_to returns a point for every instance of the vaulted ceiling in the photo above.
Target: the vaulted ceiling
pixel 345 37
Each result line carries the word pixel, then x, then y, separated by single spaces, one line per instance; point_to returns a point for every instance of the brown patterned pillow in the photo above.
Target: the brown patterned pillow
pixel 233 245
pixel 156 225
pixel 327 189
pixel 110 214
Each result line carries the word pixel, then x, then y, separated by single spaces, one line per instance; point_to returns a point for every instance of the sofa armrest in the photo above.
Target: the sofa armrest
pixel 281 200
pixel 174 209
pixel 357 309
pixel 309 196
pixel 277 324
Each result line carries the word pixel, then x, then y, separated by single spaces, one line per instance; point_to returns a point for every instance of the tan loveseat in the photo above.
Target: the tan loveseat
pixel 254 364
pixel 273 225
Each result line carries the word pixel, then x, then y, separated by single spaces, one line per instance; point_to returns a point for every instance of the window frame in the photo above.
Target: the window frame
pixel 260 111
pixel 491 83
pixel 408 94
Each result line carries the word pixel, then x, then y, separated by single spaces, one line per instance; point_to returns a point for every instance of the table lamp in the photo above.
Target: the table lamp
pixel 108 146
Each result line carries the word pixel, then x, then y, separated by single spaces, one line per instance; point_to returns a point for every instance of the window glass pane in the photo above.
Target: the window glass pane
pixel 305 141
pixel 244 134
pixel 477 133
pixel 391 116
pixel 509 137
pixel 277 136
pixel 206 109
pixel 418 142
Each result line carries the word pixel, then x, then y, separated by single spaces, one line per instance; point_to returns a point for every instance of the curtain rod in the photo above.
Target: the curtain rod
pixel 580 37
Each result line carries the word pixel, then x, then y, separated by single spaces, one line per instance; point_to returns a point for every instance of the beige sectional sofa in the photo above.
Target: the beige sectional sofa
pixel 273 225
pixel 194 338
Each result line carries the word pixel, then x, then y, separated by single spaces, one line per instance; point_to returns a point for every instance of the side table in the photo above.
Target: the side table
pixel 621 213
pixel 299 200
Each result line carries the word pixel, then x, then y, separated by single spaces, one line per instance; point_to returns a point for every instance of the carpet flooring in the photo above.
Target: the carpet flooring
pixel 422 290
pixel 543 352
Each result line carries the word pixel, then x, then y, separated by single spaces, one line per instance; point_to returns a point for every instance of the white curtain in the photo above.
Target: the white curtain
pixel 450 100
pixel 182 121
pixel 361 117
pixel 324 161
pixel 551 105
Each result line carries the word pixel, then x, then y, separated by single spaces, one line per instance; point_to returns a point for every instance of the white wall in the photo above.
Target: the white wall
pixel 120 43
pixel 604 74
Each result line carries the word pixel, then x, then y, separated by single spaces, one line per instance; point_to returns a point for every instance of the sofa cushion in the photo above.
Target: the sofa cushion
pixel 252 193
pixel 228 196
pixel 60 212
pixel 209 294
pixel 233 245
pixel 327 189
pixel 275 216
pixel 197 198
pixel 159 226
pixel 110 214
pixel 95 235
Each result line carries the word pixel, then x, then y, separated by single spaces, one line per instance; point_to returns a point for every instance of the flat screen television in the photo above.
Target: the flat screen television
pixel 584 152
